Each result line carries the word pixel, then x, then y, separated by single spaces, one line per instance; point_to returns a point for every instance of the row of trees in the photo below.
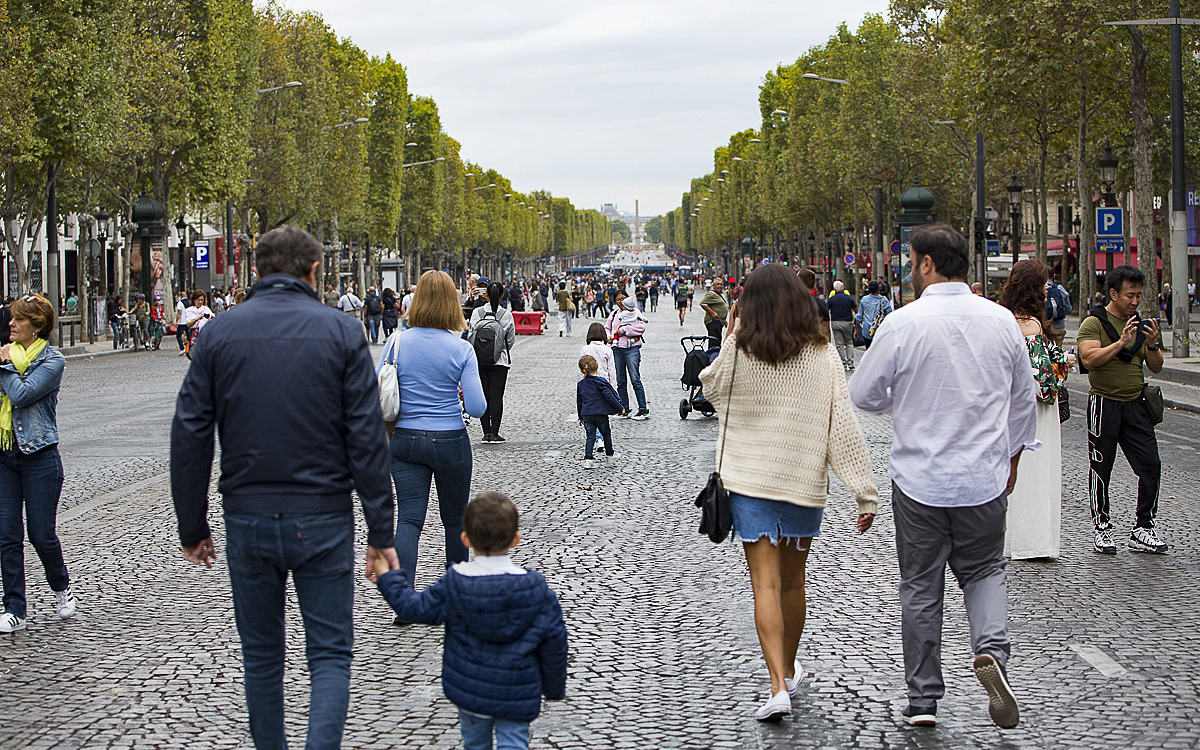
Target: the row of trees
pixel 1047 83
pixel 187 102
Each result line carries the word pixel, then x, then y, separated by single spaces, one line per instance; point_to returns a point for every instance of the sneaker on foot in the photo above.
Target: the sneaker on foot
pixel 1145 540
pixel 497 438
pixel 793 684
pixel 10 622
pixel 775 709
pixel 642 414
pixel 589 463
pixel 919 717
pixel 397 622
pixel 1002 704
pixel 1104 542
pixel 66 602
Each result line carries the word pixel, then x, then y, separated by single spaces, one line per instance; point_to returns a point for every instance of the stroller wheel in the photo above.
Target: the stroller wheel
pixel 684 408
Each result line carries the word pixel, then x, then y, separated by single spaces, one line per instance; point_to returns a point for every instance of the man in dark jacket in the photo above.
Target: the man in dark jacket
pixel 290 385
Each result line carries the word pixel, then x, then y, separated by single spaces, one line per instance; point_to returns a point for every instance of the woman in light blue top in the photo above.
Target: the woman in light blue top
pixel 430 443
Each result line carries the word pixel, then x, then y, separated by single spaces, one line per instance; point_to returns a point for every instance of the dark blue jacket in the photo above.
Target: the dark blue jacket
pixel 595 396
pixel 290 385
pixel 505 644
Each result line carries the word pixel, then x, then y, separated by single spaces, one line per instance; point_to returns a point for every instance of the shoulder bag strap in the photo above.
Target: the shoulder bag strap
pixel 728 398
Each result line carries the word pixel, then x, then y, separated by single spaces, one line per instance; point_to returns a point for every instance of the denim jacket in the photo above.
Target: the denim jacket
pixel 34 396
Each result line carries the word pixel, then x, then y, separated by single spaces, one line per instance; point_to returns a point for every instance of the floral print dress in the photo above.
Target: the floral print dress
pixel 1049 364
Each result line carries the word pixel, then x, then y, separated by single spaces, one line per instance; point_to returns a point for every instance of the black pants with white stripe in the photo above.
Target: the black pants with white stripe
pixel 1125 424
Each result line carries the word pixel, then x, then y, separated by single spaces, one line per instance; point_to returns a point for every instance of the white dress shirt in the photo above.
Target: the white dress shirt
pixel 953 370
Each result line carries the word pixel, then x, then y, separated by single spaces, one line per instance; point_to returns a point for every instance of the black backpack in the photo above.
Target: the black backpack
pixel 487 336
pixel 1126 354
pixel 374 305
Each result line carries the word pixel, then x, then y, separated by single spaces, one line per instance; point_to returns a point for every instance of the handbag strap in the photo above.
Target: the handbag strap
pixel 728 398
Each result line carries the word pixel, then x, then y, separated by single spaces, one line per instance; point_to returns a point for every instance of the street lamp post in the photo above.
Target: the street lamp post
pixel 1015 188
pixel 181 230
pixel 1108 176
pixel 102 217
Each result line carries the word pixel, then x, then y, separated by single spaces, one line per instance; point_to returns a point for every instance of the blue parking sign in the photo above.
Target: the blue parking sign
pixel 201 255
pixel 1109 222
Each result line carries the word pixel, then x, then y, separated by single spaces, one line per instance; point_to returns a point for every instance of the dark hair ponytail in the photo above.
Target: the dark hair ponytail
pixel 495 293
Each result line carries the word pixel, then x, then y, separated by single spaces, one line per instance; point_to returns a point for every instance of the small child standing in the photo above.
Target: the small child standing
pixel 595 399
pixel 505 643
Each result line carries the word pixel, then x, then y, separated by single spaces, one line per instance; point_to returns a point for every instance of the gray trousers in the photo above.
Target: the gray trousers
pixel 971 540
pixel 843 339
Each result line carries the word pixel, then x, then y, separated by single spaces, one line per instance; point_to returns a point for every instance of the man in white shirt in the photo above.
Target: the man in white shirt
pixel 350 303
pixel 953 370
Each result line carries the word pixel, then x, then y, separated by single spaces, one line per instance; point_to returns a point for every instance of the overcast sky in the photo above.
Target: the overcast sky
pixel 597 102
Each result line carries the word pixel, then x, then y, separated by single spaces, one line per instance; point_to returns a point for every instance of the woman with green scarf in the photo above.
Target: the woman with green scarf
pixel 31 473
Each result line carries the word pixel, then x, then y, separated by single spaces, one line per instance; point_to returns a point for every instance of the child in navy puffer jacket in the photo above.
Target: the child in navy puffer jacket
pixel 505 644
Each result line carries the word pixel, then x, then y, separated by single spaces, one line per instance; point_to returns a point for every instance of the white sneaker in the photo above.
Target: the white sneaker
pixel 66 602
pixel 10 622
pixel 793 685
pixel 589 463
pixel 775 709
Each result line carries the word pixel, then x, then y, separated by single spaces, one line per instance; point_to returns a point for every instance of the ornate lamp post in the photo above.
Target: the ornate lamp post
pixel 180 281
pixel 1015 188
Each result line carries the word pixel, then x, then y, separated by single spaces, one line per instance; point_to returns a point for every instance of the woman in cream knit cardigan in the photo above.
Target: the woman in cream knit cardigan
pixel 789 420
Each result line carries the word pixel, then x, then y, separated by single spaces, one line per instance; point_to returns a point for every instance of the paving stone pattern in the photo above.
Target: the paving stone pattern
pixel 663 646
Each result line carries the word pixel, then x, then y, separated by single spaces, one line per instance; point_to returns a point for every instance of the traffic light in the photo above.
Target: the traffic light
pixel 980 247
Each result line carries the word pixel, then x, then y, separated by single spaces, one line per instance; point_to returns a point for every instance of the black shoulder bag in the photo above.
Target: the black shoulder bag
pixel 716 517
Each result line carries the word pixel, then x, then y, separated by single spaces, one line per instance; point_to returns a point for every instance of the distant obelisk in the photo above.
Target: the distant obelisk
pixel 637 225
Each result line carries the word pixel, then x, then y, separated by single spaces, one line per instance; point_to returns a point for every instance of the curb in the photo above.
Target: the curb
pixel 1181 406
pixel 90 355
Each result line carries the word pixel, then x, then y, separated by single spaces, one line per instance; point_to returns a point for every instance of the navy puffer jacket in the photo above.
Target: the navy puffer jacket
pixel 505 644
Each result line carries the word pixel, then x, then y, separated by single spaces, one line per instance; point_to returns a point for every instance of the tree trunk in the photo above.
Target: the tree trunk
pixel 1143 170
pixel 1042 209
pixel 1087 242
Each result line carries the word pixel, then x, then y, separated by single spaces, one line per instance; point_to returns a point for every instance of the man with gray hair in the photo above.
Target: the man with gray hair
pixel 290 385
pixel 842 307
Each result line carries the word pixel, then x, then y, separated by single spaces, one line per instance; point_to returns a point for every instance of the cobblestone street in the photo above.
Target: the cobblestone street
pixel 663 646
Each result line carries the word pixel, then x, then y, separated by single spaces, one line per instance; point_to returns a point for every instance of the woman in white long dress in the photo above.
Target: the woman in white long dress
pixel 1035 504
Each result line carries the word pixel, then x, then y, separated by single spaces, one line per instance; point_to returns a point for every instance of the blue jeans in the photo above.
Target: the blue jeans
pixel 593 423
pixel 373 322
pixel 477 732
pixel 420 457
pixel 318 550
pixel 630 360
pixel 30 486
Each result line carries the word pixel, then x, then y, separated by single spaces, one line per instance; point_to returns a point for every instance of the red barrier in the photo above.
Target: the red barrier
pixel 530 323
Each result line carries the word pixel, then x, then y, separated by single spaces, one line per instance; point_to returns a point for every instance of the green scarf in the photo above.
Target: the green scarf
pixel 21 359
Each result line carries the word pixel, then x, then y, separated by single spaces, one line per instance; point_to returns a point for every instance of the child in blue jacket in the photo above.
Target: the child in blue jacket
pixel 595 399
pixel 505 643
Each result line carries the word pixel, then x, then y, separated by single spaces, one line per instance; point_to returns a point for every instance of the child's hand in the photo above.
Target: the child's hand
pixel 380 561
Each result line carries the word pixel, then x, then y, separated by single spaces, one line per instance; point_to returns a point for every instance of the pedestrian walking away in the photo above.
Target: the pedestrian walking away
pixel 31 470
pixel 288 385
pixel 953 370
pixel 786 419
pixel 626 327
pixel 1033 520
pixel 390 318
pixel 505 642
pixel 1057 307
pixel 429 443
pixel 598 346
pixel 681 301
pixel 373 307
pixel 1114 344
pixel 595 400
pixel 842 307
pixel 492 332
pixel 565 308
pixel 809 279
pixel 871 312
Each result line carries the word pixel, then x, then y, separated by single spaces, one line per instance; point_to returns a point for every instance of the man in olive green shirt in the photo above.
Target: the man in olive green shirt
pixel 1113 349
pixel 716 310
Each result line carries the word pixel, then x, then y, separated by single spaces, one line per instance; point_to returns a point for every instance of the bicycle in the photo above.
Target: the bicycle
pixel 135 336
pixel 157 330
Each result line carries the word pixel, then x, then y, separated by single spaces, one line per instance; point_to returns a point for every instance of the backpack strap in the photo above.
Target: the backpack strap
pixel 1126 354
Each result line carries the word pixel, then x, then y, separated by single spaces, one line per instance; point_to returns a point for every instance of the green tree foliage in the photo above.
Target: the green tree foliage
pixel 653 229
pixel 385 150
pixel 621 233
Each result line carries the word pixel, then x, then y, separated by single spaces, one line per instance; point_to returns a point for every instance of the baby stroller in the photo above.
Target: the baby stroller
pixel 699 352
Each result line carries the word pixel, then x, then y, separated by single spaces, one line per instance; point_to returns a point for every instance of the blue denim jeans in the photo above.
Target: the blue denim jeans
pixel 373 322
pixel 477 732
pixel 629 361
pixel 30 486
pixel 419 458
pixel 318 550
pixel 593 423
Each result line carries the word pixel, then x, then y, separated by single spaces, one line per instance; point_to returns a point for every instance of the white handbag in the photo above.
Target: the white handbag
pixel 389 384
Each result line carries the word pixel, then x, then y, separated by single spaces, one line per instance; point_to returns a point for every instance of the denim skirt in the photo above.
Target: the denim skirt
pixel 755 518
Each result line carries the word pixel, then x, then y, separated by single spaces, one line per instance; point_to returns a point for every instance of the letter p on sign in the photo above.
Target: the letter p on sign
pixel 1109 222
